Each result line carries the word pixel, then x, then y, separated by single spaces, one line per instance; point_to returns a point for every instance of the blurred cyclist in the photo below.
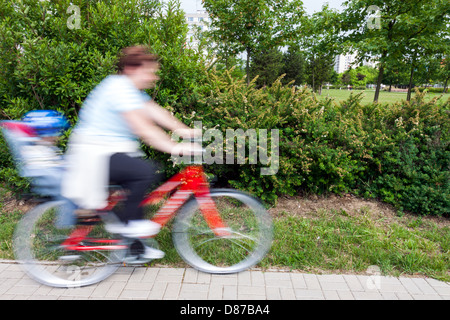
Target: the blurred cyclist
pixel 104 145
pixel 32 141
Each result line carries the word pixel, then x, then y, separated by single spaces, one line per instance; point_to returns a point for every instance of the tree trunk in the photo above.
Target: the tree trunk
pixel 408 96
pixel 378 88
pixel 248 66
pixel 226 60
pixel 380 77
pixel 313 74
pixel 445 85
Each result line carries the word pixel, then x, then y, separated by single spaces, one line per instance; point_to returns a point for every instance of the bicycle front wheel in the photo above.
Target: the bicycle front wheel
pixel 248 240
pixel 38 245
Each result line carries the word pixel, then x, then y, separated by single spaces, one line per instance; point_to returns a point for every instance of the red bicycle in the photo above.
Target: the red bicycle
pixel 214 231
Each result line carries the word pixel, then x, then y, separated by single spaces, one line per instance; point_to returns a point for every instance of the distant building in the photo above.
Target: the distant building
pixel 198 21
pixel 343 62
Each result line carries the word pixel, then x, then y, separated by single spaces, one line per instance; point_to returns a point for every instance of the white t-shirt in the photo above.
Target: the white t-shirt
pixel 101 132
pixel 101 114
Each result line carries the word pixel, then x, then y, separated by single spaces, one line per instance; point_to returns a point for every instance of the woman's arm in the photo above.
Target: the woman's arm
pixel 152 135
pixel 165 119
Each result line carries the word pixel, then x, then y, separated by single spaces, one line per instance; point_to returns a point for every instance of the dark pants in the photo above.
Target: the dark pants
pixel 136 176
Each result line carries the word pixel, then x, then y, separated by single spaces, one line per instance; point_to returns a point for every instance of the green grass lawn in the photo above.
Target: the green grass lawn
pixel 385 97
pixel 337 241
pixel 334 238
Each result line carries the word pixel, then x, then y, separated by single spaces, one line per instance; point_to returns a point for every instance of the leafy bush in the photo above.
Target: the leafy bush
pixel 414 171
pixel 398 153
pixel 314 155
pixel 44 64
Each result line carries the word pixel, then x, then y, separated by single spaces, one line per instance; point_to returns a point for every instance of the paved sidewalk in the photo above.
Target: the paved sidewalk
pixel 188 284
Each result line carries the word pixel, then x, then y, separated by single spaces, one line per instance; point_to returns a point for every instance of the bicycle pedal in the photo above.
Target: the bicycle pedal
pixel 69 258
pixel 132 260
pixel 88 221
pixel 83 213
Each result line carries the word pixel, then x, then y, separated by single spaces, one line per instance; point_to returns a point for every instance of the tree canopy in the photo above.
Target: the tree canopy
pixel 407 30
pixel 253 25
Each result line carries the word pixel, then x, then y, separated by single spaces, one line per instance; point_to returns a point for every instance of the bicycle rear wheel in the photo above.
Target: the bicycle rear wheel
pixel 38 245
pixel 248 241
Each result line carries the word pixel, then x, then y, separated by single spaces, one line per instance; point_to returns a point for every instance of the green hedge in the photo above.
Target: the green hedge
pixel 432 90
pixel 397 153
pixel 344 87
pixel 44 64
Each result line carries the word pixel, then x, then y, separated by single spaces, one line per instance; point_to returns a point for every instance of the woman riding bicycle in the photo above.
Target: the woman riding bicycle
pixel 104 144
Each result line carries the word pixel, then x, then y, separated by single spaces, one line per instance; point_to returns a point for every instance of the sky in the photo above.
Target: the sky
pixel 191 6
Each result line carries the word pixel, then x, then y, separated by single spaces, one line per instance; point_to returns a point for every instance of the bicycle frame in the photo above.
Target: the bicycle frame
pixel 190 181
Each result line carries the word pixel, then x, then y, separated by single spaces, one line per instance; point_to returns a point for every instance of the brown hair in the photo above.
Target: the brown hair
pixel 135 57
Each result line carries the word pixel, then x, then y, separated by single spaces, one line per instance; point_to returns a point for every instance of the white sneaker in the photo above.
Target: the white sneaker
pixel 134 228
pixel 152 253
pixel 143 254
